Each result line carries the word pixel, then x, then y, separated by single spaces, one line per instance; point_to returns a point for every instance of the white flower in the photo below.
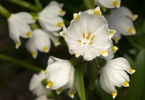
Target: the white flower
pixel 49 17
pixel 40 41
pixel 19 26
pixel 88 35
pixel 36 86
pixel 44 97
pixel 108 3
pixel 60 75
pixel 121 20
pixel 114 73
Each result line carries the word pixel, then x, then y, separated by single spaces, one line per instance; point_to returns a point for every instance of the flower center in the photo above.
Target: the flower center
pixel 86 40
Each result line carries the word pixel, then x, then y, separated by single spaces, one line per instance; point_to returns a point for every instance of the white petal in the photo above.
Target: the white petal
pixel 109 3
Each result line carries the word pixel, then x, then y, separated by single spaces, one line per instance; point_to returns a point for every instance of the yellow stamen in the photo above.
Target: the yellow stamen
pixel 92 38
pixel 79 41
pixel 116 4
pixel 59 24
pixel 45 49
pixel 131 31
pixel 62 34
pixel 76 16
pixel 90 43
pixel 104 53
pixel 114 49
pixel 29 34
pixel 50 84
pixel 33 53
pixel 115 39
pixel 113 94
pixel 96 12
pixel 131 71
pixel 62 12
pixel 126 84
pixel 134 16
pixel 83 34
pixel 89 33
pixel 71 94
pixel 59 90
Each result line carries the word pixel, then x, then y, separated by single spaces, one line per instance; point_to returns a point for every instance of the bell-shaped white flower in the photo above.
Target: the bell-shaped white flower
pixel 44 97
pixel 49 18
pixel 88 35
pixel 60 75
pixel 114 73
pixel 40 41
pixel 121 20
pixel 108 3
pixel 19 26
pixel 36 85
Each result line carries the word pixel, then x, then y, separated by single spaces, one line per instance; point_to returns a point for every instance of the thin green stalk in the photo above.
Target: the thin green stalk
pixel 135 45
pixel 26 5
pixel 89 4
pixel 21 63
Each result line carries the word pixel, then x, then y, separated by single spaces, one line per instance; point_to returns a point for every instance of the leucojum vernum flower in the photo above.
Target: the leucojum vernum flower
pixel 89 40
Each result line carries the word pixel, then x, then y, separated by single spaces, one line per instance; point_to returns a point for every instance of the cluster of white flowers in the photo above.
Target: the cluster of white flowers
pixel 49 19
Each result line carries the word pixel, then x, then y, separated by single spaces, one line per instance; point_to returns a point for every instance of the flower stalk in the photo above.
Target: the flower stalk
pixel 4 12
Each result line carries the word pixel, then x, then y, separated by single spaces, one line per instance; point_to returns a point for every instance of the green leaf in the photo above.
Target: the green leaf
pixel 89 4
pixel 79 81
pixel 137 84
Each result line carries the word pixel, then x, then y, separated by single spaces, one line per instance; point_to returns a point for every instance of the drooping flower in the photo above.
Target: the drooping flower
pixel 121 20
pixel 88 35
pixel 49 18
pixel 19 26
pixel 40 41
pixel 44 97
pixel 36 85
pixel 114 73
pixel 108 3
pixel 60 75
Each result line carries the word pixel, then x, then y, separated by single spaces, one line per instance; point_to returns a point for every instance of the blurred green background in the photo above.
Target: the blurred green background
pixel 14 78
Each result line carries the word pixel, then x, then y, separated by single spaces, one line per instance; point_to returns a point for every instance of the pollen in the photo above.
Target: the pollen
pixel 126 84
pixel 50 84
pixel 92 38
pixel 131 31
pixel 71 94
pixel 62 12
pixel 116 4
pixel 33 54
pixel 115 39
pixel 45 49
pixel 76 16
pixel 59 90
pixel 113 94
pixel 104 53
pixel 29 34
pixel 131 71
pixel 96 12
pixel 79 41
pixel 114 49
pixel 59 24
pixel 134 16
pixel 44 71
pixel 83 34
pixel 88 36
pixel 90 43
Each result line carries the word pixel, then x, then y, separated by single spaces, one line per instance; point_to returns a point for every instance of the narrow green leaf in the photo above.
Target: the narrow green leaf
pixel 137 84
pixel 89 4
pixel 79 81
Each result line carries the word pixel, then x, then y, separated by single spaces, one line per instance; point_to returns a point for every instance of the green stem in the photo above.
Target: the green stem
pixel 26 5
pixel 89 4
pixel 4 12
pixel 19 62
pixel 79 82
pixel 75 61
pixel 135 45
